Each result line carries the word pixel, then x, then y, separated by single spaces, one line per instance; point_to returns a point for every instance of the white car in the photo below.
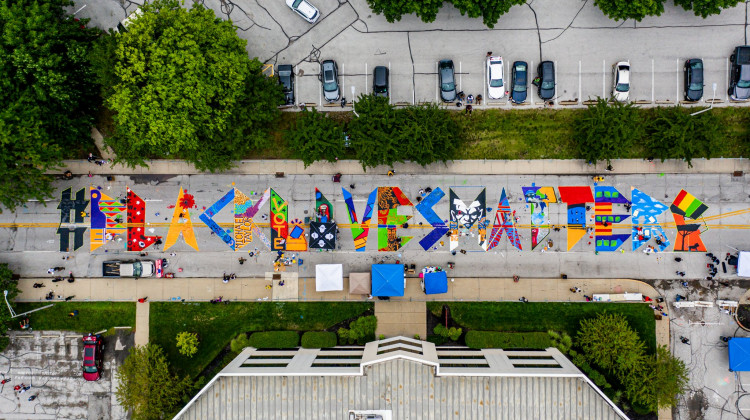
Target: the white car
pixel 621 81
pixel 495 80
pixel 304 9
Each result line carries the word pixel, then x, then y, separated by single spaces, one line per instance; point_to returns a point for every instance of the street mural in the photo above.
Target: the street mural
pixel 600 213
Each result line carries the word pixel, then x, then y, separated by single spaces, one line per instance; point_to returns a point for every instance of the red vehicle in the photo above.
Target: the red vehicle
pixel 92 357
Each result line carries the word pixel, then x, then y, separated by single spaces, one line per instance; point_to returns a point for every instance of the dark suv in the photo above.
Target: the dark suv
pixel 380 81
pixel 693 79
pixel 739 75
pixel 286 79
pixel 546 74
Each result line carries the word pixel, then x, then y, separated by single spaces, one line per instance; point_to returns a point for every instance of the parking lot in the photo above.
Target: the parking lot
pixel 575 35
pixel 50 361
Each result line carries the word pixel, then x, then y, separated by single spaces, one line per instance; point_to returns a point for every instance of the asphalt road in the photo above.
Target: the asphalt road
pixel 574 34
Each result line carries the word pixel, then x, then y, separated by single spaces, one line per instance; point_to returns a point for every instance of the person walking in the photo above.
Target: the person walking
pixel 684 340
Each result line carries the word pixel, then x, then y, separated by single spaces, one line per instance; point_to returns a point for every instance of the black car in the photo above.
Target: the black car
pixel 739 75
pixel 447 81
pixel 286 79
pixel 518 82
pixel 693 79
pixel 380 81
pixel 546 74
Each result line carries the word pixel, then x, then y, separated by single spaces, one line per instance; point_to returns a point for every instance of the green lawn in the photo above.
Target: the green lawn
pixel 539 316
pixel 92 316
pixel 216 325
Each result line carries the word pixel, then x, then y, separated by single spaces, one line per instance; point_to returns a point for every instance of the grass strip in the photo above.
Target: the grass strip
pixel 544 316
pixel 216 324
pixel 92 316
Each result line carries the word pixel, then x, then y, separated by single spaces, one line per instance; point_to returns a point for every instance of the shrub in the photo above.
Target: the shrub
pixel 240 342
pixel 436 339
pixel 274 340
pixel 187 343
pixel 502 340
pixel 318 339
pixel 360 330
pixel 453 333
pixel 562 341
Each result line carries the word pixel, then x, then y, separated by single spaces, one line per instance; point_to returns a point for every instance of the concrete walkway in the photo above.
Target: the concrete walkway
pixel 141 323
pixel 477 167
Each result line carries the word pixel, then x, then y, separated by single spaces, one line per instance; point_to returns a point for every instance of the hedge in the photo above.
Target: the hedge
pixel 319 339
pixel 504 340
pixel 274 340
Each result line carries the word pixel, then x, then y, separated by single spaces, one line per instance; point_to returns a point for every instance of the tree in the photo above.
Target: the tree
pixel 145 385
pixel 675 134
pixel 186 87
pixel 659 383
pixel 605 132
pixel 489 10
pixel 428 134
pixel 704 8
pixel 426 10
pixel 610 343
pixel 187 343
pixel 373 133
pixel 315 137
pixel 630 9
pixel 47 94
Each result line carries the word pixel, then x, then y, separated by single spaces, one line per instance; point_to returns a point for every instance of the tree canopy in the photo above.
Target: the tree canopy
pixel 675 134
pixel 630 9
pixel 704 8
pixel 427 10
pixel 187 88
pixel 315 137
pixel 47 94
pixel 145 385
pixel 607 131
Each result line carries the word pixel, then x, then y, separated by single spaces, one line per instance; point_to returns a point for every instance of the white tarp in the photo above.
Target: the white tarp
pixel 743 264
pixel 329 277
pixel 619 297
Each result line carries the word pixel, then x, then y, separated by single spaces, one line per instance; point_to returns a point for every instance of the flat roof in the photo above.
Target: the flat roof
pixel 412 379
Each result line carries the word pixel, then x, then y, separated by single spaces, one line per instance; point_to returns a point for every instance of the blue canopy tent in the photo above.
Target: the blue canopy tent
pixel 739 354
pixel 388 280
pixel 435 283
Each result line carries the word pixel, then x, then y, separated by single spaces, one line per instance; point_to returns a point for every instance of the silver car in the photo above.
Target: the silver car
pixel 329 77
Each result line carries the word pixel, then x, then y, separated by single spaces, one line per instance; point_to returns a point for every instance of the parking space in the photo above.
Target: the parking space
pixel 50 362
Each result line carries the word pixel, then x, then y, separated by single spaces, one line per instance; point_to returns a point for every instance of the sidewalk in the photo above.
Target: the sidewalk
pixel 475 167
pixel 254 289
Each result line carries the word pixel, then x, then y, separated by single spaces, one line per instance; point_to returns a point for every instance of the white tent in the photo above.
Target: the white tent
pixel 329 277
pixel 743 264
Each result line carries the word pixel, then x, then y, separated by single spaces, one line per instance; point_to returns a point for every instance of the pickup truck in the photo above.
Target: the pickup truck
pixel 739 74
pixel 136 269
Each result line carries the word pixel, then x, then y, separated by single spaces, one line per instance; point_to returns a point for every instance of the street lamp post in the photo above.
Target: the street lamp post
pixel 13 313
pixel 713 97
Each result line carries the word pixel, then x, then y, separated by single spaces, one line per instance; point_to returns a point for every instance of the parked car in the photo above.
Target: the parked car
pixel 739 75
pixel 329 76
pixel 621 81
pixel 546 73
pixel 495 82
pixel 92 357
pixel 447 81
pixel 133 268
pixel 286 79
pixel 693 79
pixel 380 81
pixel 519 82
pixel 305 9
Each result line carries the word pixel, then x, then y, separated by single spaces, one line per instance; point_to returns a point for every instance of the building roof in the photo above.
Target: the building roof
pixel 409 379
